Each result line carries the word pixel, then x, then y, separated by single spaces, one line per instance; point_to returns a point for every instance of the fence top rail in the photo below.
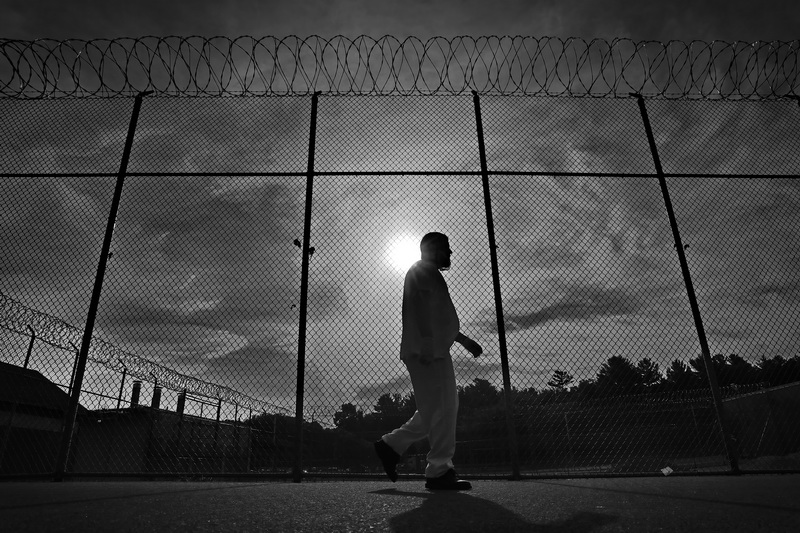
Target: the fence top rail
pixel 292 65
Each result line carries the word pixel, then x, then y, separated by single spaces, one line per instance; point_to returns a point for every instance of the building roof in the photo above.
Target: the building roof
pixel 30 389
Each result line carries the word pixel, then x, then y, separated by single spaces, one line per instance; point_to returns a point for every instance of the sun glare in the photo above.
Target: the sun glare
pixel 403 252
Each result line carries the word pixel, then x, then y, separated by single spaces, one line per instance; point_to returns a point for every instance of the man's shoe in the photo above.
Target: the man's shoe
pixel 447 481
pixel 388 457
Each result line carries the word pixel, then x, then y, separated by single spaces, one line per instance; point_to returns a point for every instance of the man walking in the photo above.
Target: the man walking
pixel 430 327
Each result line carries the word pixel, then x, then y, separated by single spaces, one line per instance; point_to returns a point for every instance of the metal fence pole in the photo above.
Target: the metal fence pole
pixel 730 445
pixel 72 409
pixel 122 385
pixel 297 471
pixel 498 301
pixel 30 347
pixel 74 368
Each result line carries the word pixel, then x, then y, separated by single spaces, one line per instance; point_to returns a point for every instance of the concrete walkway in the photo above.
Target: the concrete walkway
pixel 769 503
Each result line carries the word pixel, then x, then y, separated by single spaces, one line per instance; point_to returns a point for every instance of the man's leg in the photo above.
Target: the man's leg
pixel 416 428
pixel 443 405
pixel 436 396
pixel 437 406
pixel 439 473
pixel 413 430
pixel 392 445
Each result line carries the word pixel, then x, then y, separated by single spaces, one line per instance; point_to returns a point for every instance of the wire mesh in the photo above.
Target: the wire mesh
pixel 182 244
pixel 66 137
pixel 193 366
pixel 222 136
pixel 367 233
pixel 396 134
pixel 565 136
pixel 741 244
pixel 755 138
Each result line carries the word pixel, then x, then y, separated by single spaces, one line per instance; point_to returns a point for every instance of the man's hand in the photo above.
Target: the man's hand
pixel 470 345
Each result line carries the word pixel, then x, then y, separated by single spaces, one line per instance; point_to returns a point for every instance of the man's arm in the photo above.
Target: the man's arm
pixel 472 347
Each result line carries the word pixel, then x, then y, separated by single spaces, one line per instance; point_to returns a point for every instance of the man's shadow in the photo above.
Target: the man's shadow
pixel 458 511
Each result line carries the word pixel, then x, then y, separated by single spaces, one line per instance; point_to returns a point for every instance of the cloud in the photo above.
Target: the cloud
pixel 368 395
pixel 743 254
pixel 574 249
pixel 202 266
pixel 248 135
pixel 681 19
pixel 50 235
pixel 184 348
pixel 588 267
pixel 726 137
pixel 580 303
pixel 262 370
pixel 742 234
pixel 223 259
pixel 579 289
pixel 51 222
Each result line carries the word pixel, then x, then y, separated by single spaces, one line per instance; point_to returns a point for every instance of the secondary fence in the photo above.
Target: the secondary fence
pixel 629 263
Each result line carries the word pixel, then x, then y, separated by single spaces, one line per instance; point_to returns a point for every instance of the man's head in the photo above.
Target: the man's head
pixel 435 248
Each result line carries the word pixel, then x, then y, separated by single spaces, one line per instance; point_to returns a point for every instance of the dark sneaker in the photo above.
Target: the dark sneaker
pixel 447 481
pixel 388 457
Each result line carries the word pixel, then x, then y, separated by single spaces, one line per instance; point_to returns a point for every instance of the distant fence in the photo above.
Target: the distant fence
pixel 237 257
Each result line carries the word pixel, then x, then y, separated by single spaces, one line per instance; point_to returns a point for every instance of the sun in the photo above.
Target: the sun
pixel 403 252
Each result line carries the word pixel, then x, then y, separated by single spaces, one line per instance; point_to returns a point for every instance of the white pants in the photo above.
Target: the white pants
pixel 437 407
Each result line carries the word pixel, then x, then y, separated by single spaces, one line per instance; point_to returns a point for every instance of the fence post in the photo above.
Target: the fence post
pixel 72 409
pixel 217 455
pixel 297 470
pixel 249 440
pixel 30 347
pixel 498 301
pixel 122 385
pixel 727 437
pixel 74 368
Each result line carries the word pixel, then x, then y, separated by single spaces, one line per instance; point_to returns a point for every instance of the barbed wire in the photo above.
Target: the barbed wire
pixel 18 318
pixel 546 66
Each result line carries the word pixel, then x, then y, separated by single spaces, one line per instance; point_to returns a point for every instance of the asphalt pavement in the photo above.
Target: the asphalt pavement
pixel 769 503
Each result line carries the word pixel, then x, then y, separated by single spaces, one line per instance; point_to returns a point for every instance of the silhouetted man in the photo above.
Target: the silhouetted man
pixel 430 327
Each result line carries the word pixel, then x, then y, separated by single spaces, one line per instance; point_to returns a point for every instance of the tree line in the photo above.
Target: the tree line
pixel 563 421
pixel 618 376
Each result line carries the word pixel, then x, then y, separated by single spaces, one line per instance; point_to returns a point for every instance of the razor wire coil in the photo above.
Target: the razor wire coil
pixel 503 65
pixel 18 318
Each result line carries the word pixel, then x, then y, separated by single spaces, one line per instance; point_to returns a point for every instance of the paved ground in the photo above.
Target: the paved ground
pixel 769 503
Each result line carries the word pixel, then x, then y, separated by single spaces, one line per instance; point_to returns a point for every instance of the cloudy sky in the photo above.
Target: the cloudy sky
pixel 205 278
pixel 679 19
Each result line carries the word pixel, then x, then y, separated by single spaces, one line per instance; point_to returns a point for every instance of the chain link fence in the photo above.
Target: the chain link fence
pixel 629 264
